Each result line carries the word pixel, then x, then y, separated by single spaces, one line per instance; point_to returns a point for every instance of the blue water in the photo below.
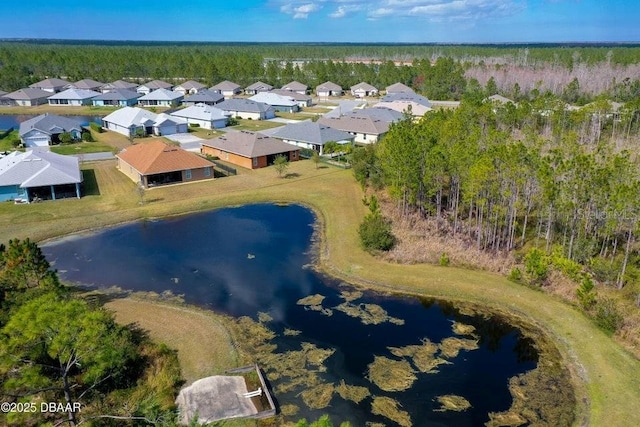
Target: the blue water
pixel 206 258
pixel 8 121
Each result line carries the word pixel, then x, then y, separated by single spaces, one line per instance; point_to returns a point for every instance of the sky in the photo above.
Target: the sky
pixel 357 21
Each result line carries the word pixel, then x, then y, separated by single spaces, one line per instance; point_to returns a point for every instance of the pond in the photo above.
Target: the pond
pixel 8 121
pixel 398 350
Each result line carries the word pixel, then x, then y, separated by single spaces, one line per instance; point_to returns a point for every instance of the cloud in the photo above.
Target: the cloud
pixel 344 10
pixel 446 10
pixel 300 11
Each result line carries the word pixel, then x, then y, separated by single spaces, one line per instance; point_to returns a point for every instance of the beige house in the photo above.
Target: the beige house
pixel 365 129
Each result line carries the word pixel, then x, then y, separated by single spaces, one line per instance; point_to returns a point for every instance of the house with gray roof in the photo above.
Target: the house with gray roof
pixel 161 98
pixel 87 84
pixel 73 97
pixel 397 88
pixel 303 100
pixel 247 109
pixel 190 87
pixel 412 107
pixel 327 89
pixel 249 150
pixel 153 85
pixel 282 103
pixel 4 100
pixel 134 121
pixel 297 87
pixel 227 89
pixel 45 129
pixel 28 97
pixel 204 96
pixel 205 116
pixel 257 87
pixel 311 135
pixel 116 98
pixel 51 85
pixel 118 84
pixel 39 175
pixel 362 90
pixel 366 130
pixel 385 114
pixel 407 97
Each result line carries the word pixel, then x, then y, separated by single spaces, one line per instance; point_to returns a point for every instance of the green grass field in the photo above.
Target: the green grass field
pixel 606 377
pixel 82 148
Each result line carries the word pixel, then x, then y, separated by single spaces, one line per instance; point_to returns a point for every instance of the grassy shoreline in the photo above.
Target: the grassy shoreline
pixel 604 374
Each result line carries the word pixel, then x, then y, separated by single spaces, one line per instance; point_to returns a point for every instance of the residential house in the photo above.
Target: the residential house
pixel 118 84
pixel 155 163
pixel 397 88
pixel 45 129
pixel 161 98
pixel 134 121
pixel 257 87
pixel 407 97
pixel 4 100
pixel 204 96
pixel 87 84
pixel 247 109
pixel 412 107
pixel 190 87
pixel 296 87
pixel 205 116
pixel 73 97
pixel 499 99
pixel 51 85
pixel 284 104
pixel 311 135
pixel 385 114
pixel 116 98
pixel 362 90
pixel 327 89
pixel 153 85
pixel 249 150
pixel 28 97
pixel 366 130
pixel 39 175
pixel 227 89
pixel 303 100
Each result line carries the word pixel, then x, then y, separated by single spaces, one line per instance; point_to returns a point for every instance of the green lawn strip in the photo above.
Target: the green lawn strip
pixel 255 125
pixel 604 373
pixel 82 148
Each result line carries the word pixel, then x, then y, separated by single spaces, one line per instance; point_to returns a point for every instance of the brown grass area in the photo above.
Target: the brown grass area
pixel 202 340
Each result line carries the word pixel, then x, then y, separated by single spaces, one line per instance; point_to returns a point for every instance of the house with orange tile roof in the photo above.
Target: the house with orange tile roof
pixel 156 163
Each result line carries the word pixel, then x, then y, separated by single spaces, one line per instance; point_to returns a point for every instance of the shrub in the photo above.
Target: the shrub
pixel 444 259
pixel 375 233
pixel 95 127
pixel 232 121
pixel 607 316
pixel 66 138
pixel 87 137
pixel 586 293
pixel 516 275
pixel 536 264
pixel 194 125
pixel 568 267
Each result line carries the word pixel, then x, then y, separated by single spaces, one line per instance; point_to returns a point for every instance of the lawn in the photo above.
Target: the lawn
pixel 256 125
pixel 71 111
pixel 204 133
pixel 606 377
pixel 8 142
pixel 82 148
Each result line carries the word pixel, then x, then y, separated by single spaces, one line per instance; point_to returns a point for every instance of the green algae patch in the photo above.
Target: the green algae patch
pixel 353 393
pixel 390 408
pixel 318 397
pixel 391 375
pixel 369 314
pixel 451 402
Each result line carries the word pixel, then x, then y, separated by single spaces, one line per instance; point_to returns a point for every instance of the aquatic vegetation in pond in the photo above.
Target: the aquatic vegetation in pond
pixel 369 314
pixel 463 329
pixel 450 347
pixel 390 408
pixel 391 375
pixel 451 402
pixel 423 356
pixel 291 332
pixel 311 300
pixel 350 295
pixel 353 393
pixel 289 410
pixel 264 317
pixel 318 397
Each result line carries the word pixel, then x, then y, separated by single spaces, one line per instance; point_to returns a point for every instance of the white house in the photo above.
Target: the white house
pixel 227 89
pixel 303 100
pixel 281 103
pixel 328 89
pixel 153 85
pixel 87 84
pixel 311 135
pixel 365 129
pixel 132 121
pixel 161 98
pixel 296 87
pixel 257 87
pixel 28 97
pixel 73 97
pixel 51 85
pixel 190 87
pixel 362 90
pixel 203 115
pixel 247 109
pixel 118 84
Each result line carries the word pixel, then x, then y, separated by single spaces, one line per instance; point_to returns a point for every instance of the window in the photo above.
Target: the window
pixel 187 174
pixel 255 162
pixel 207 171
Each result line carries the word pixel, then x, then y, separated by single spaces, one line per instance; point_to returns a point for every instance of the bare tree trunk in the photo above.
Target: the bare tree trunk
pixel 620 281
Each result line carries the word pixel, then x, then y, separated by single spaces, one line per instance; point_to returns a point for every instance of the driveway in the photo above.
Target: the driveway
pixel 187 141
